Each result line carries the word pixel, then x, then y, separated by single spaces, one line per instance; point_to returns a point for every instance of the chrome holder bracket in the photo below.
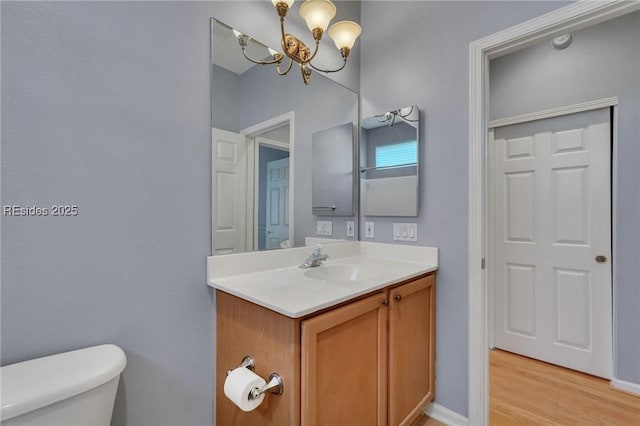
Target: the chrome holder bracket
pixel 275 385
pixel 247 362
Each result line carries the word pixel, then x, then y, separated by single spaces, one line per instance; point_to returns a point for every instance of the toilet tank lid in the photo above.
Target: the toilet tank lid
pixel 33 384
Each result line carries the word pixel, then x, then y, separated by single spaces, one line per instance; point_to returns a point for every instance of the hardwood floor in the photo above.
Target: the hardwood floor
pixel 524 391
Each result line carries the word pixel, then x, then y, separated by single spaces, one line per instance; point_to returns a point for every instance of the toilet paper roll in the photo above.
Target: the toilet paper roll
pixel 238 386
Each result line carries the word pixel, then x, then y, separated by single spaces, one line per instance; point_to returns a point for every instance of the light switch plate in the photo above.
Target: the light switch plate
pixel 405 232
pixel 369 230
pixel 325 227
pixel 351 228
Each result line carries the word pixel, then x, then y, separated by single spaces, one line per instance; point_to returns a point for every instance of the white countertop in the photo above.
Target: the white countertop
pixel 272 279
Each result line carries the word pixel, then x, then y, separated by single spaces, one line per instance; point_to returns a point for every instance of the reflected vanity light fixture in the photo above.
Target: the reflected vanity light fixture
pixel 390 117
pixel 317 14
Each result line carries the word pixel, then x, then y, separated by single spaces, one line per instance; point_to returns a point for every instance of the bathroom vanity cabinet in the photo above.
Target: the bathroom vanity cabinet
pixel 369 361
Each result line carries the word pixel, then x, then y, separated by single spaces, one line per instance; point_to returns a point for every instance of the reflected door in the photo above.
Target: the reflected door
pixel 552 240
pixel 229 192
pixel 277 202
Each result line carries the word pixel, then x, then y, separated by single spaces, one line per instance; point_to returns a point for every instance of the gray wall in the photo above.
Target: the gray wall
pixel 106 105
pixel 424 46
pixel 224 111
pixel 603 61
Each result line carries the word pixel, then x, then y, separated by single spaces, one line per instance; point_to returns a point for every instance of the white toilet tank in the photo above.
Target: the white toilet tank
pixel 69 389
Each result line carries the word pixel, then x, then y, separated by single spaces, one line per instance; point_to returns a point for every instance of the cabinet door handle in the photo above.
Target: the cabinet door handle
pixel 385 302
pixel 397 297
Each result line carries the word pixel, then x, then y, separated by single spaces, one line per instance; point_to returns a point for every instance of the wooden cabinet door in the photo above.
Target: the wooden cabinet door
pixel 411 349
pixel 344 365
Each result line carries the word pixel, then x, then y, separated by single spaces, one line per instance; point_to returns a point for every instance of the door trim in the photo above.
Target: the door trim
pixel 572 17
pixel 554 112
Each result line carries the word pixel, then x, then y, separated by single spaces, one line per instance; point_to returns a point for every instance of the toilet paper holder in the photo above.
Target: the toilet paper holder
pixel 247 362
pixel 274 384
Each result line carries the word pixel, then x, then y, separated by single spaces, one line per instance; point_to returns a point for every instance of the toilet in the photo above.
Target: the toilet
pixel 67 389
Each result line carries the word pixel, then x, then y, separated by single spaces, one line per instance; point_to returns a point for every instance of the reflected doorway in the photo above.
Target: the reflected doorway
pixel 273 194
pixel 270 196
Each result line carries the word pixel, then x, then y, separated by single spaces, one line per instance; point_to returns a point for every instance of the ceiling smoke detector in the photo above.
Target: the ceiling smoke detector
pixel 562 41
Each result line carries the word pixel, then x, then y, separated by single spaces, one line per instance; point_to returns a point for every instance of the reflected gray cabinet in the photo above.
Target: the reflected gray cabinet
pixel 333 179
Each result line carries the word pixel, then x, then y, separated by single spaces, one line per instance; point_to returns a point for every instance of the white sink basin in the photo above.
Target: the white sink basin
pixel 342 273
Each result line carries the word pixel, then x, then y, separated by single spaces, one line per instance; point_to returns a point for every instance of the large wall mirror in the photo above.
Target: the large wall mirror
pixel 389 153
pixel 262 150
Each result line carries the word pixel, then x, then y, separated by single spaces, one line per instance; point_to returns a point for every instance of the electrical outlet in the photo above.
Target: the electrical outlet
pixel 351 228
pixel 369 228
pixel 405 232
pixel 324 227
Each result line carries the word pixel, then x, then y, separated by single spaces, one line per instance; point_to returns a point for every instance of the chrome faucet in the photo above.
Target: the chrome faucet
pixel 315 259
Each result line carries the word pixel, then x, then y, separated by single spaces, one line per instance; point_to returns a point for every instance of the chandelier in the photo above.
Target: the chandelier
pixel 317 14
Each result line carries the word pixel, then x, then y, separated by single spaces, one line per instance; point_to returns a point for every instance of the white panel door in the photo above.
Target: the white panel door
pixel 551 217
pixel 229 192
pixel 277 202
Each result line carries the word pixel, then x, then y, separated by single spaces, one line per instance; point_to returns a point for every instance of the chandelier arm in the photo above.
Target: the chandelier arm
pixel 275 61
pixel 282 37
pixel 287 70
pixel 329 71
pixel 315 52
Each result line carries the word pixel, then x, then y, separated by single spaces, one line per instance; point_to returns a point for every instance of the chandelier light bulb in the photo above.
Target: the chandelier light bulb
pixel 237 33
pixel 273 52
pixel 317 13
pixel 344 34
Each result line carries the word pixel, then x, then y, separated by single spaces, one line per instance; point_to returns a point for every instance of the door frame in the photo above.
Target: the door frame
pixel 570 18
pixel 257 142
pixel 489 211
pixel 251 133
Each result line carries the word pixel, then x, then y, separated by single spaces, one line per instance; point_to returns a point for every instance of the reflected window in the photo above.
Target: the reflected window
pixel 397 154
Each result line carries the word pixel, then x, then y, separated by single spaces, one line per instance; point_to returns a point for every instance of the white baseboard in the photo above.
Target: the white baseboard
pixel 446 416
pixel 626 386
